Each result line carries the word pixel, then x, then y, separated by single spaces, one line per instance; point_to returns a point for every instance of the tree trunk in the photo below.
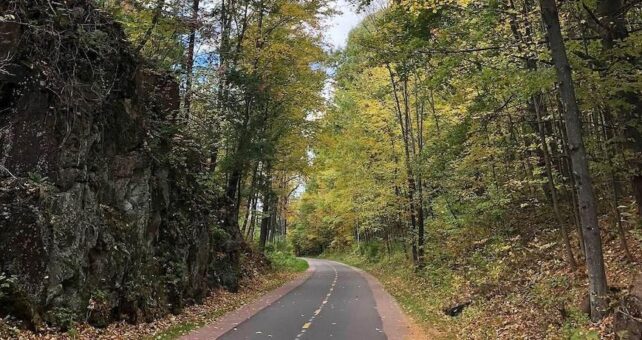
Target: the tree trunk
pixel 615 187
pixel 158 10
pixel 588 214
pixel 569 165
pixel 267 204
pixel 253 221
pixel 265 221
pixel 612 26
pixel 273 219
pixel 248 213
pixel 251 200
pixel 189 62
pixel 537 107
pixel 403 124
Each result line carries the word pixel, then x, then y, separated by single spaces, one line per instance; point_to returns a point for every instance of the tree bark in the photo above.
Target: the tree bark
pixel 588 214
pixel 267 204
pixel 265 221
pixel 569 165
pixel 273 218
pixel 251 200
pixel 189 62
pixel 617 217
pixel 230 204
pixel 403 125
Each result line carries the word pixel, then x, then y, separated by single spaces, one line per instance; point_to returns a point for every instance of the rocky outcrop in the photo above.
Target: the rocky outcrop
pixel 101 218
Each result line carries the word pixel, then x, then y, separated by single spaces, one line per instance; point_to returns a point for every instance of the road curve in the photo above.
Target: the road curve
pixel 335 302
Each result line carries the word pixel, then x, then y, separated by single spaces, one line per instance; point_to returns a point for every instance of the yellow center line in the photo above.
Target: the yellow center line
pixel 325 301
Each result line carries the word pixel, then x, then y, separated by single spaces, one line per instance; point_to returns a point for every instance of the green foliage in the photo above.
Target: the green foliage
pixel 164 46
pixel 434 122
pixel 7 284
pixel 37 178
pixel 219 235
pixel 286 262
pixel 574 327
pixel 176 331
pixel 370 250
pixel 480 159
pixel 61 317
pixel 73 333
pixel 98 309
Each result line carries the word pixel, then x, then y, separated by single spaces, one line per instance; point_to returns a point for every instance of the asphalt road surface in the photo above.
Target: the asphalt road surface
pixel 336 302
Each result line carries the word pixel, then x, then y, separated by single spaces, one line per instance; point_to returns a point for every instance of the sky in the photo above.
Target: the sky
pixel 339 27
pixel 341 24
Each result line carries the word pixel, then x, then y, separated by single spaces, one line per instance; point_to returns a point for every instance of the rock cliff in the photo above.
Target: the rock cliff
pixel 99 220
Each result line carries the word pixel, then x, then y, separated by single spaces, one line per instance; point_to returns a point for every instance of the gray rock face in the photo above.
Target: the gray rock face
pixel 97 222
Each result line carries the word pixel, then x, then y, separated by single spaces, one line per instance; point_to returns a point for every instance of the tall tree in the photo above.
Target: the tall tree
pixel 189 58
pixel 583 181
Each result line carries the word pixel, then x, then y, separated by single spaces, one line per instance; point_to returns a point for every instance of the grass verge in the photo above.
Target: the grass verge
pixel 286 262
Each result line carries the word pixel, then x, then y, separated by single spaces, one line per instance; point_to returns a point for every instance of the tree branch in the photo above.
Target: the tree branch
pixel 157 13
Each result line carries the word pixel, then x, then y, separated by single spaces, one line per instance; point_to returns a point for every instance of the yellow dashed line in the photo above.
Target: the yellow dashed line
pixel 316 312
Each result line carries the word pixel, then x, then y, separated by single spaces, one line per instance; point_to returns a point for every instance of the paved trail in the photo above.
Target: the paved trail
pixel 335 302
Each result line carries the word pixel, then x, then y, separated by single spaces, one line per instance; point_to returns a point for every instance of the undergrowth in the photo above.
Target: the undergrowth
pixel 286 262
pixel 281 256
